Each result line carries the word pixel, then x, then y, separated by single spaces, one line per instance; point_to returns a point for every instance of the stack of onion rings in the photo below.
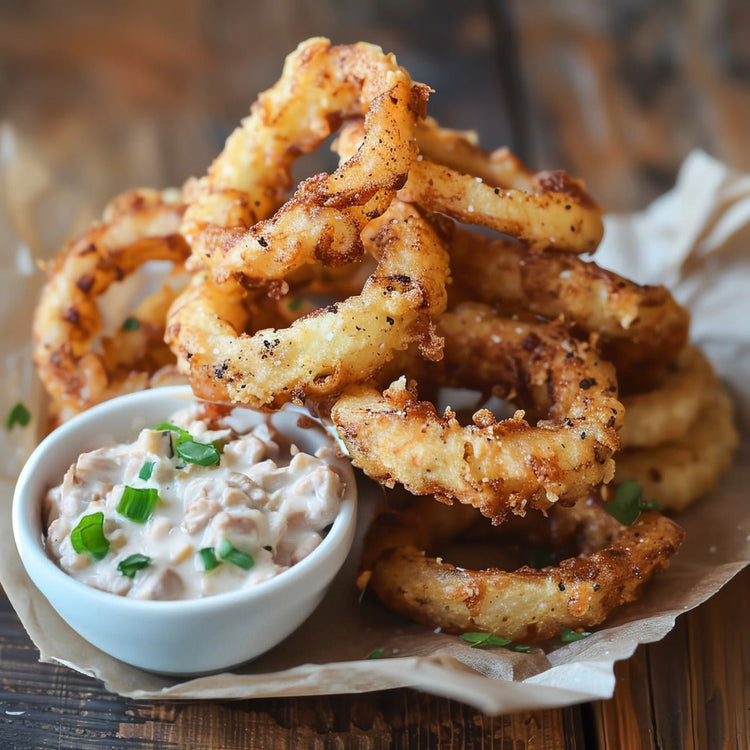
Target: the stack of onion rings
pixel 359 289
pixel 641 329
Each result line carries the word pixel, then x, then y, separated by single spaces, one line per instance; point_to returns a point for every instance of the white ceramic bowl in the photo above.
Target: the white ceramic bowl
pixel 174 637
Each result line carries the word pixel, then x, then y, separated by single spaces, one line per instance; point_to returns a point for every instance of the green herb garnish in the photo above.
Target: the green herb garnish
pixel 488 640
pixel 203 454
pixel 88 536
pixel 138 504
pixel 146 470
pixel 628 503
pixel 484 640
pixel 18 415
pixel 131 324
pixel 182 435
pixel 376 654
pixel 189 449
pixel 208 558
pixel 228 552
pixel 131 565
pixel 568 636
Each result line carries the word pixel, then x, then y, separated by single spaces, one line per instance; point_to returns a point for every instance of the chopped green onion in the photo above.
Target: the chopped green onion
pixel 131 324
pixel 18 415
pixel 376 654
pixel 189 449
pixel 138 504
pixel 568 636
pixel 182 435
pixel 208 558
pixel 203 454
pixel 484 640
pixel 228 552
pixel 131 565
pixel 146 470
pixel 522 649
pixel 88 536
pixel 628 502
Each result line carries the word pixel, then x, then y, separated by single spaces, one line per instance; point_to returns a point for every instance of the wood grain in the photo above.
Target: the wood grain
pixel 691 690
pixel 43 706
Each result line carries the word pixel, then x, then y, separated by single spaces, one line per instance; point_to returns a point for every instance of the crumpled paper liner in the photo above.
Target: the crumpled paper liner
pixel 695 239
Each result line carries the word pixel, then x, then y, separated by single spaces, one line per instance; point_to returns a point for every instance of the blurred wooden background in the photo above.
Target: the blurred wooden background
pixel 617 93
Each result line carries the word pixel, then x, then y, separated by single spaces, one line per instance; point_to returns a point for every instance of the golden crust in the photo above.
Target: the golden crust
pixel 139 226
pixel 321 85
pixel 353 338
pixel 497 466
pixel 403 567
pixel 679 472
pixel 453 176
pixel 665 413
pixel 639 328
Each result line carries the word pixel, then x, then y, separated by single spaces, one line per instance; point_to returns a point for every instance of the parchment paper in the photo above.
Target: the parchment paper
pixel 695 239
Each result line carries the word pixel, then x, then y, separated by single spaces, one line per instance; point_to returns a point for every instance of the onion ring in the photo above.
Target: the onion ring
pixel 353 338
pixel 139 226
pixel 460 150
pixel 665 413
pixel 497 466
pixel 320 86
pixel 639 328
pixel 548 210
pixel 678 473
pixel 525 605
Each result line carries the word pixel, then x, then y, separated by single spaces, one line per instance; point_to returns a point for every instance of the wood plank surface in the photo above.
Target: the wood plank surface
pixel 691 690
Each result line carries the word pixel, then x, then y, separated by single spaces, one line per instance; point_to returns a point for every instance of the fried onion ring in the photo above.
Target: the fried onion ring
pixel 666 413
pixel 497 466
pixel 544 210
pixel 460 150
pixel 352 339
pixel 640 328
pixel 678 473
pixel 139 226
pixel 321 85
pixel 526 604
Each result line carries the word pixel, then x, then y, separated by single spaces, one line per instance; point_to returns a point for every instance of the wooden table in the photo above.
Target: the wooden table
pixel 690 690
pixel 151 89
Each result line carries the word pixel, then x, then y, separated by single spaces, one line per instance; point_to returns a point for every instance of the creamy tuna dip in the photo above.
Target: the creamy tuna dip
pixel 147 520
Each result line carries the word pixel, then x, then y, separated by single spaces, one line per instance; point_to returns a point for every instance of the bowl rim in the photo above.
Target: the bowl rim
pixel 31 549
